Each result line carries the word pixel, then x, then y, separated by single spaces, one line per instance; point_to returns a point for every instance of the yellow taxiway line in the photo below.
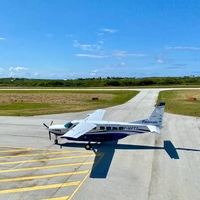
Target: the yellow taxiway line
pixel 13 150
pixel 85 177
pixel 58 198
pixel 45 167
pixel 42 187
pixel 48 159
pixel 43 176
pixel 39 154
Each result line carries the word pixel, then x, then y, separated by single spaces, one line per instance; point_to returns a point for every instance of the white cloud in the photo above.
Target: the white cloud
pixel 182 48
pixel 1 69
pixel 94 72
pixel 123 64
pixel 36 74
pixel 91 55
pixel 121 54
pixel 99 34
pixel 49 35
pixel 178 66
pixel 69 35
pixel 109 30
pixel 101 42
pixel 87 47
pixel 17 69
pixel 95 48
pixel 1 38
pixel 18 72
pixel 118 54
pixel 161 59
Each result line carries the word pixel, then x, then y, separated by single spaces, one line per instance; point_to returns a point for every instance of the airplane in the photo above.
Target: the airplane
pixel 94 129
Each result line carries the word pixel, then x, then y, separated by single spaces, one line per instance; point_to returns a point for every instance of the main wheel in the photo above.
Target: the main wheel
pixel 87 146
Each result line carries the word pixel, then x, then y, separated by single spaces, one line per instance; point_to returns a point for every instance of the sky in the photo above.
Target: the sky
pixel 69 39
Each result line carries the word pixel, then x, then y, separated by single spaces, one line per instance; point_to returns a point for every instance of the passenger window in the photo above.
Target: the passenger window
pixel 114 128
pixel 102 128
pixel 108 128
pixel 121 128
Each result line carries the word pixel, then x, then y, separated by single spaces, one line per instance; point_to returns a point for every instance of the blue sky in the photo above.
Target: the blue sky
pixel 66 39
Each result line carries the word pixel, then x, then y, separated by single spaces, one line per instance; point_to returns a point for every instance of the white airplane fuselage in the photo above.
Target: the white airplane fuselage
pixel 104 130
pixel 93 128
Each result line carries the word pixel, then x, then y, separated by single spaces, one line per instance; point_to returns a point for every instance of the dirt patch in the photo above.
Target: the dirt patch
pixel 187 94
pixel 51 98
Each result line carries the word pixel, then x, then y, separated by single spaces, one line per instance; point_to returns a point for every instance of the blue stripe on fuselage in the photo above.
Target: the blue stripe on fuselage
pixel 100 137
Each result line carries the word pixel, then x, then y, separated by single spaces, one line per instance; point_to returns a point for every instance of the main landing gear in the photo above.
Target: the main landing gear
pixel 88 146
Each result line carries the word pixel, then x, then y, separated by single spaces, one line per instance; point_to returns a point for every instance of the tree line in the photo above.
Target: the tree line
pixel 100 82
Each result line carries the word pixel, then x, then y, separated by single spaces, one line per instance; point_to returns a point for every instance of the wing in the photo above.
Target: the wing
pixel 95 116
pixel 79 129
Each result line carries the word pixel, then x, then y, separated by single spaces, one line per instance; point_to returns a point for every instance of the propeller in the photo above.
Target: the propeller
pixel 48 128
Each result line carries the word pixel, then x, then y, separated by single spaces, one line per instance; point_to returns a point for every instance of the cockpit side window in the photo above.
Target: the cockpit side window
pixel 68 125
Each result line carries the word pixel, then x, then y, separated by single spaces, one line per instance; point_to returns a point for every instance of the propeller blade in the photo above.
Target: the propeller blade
pixel 51 123
pixel 45 125
pixel 49 135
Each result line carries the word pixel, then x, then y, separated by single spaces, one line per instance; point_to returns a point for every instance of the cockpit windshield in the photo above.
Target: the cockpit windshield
pixel 68 125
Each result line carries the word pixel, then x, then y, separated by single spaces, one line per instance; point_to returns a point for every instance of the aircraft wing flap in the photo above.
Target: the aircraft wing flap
pixel 79 130
pixel 95 116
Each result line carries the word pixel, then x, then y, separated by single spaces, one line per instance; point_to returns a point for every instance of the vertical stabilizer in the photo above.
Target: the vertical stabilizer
pixel 156 116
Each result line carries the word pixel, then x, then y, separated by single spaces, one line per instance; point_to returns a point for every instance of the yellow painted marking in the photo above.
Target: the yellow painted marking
pixel 38 154
pixel 11 147
pixel 47 159
pixel 85 178
pixel 25 148
pixel 13 150
pixel 43 176
pixel 58 198
pixel 45 167
pixel 39 149
pixel 42 187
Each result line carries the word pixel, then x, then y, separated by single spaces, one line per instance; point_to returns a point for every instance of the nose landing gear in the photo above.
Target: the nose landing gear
pixel 56 140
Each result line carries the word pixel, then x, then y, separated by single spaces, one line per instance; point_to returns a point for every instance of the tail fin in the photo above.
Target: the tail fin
pixel 156 116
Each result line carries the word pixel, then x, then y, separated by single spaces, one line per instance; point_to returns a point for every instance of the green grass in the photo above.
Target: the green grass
pixel 22 109
pixel 31 109
pixel 177 102
pixel 20 106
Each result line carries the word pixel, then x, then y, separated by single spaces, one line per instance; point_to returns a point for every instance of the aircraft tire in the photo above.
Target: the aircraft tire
pixel 56 141
pixel 87 146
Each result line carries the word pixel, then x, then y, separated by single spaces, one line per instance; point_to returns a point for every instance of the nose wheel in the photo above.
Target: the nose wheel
pixel 56 141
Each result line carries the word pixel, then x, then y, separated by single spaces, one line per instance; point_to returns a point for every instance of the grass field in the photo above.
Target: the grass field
pixel 177 102
pixel 41 102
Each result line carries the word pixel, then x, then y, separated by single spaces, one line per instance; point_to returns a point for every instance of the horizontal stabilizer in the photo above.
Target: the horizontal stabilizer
pixel 153 129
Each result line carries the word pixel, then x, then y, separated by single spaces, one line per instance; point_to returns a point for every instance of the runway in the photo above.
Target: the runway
pixel 145 167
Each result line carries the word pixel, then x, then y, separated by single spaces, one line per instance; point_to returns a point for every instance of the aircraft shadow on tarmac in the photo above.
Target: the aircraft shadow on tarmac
pixel 102 163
